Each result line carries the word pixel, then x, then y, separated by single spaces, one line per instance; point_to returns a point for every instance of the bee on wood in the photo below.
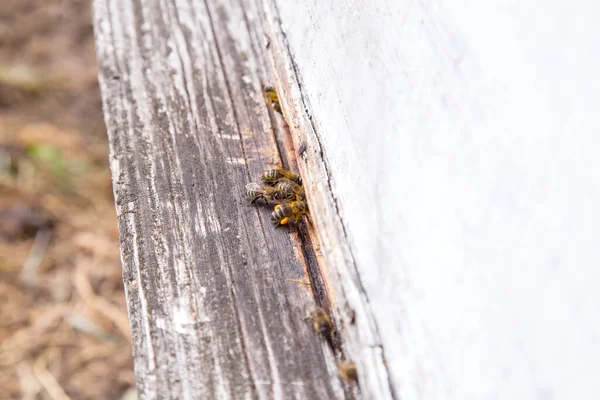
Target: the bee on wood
pixel 284 212
pixel 347 371
pixel 274 194
pixel 272 99
pixel 275 174
pixel 289 189
pixel 320 320
pixel 255 192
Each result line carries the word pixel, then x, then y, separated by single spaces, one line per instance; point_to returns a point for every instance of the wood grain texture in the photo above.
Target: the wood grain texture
pixel 458 144
pixel 215 306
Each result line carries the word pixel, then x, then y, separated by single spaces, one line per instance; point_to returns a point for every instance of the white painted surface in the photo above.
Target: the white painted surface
pixel 463 139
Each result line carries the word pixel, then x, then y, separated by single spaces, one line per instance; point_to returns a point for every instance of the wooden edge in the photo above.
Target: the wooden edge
pixel 349 303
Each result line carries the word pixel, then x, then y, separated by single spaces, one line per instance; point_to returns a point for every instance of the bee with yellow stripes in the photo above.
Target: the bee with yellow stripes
pixel 283 213
pixel 275 174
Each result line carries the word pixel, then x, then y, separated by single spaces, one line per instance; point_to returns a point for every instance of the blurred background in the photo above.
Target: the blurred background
pixel 64 332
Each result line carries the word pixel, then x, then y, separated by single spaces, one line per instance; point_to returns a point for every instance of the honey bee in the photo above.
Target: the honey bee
pixel 284 212
pixel 255 192
pixel 289 189
pixel 273 194
pixel 275 174
pixel 320 320
pixel 347 371
pixel 272 99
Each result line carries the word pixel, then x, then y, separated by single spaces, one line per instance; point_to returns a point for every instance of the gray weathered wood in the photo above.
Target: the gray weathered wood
pixel 215 306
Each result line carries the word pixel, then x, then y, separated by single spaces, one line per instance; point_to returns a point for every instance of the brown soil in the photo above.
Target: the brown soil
pixel 63 322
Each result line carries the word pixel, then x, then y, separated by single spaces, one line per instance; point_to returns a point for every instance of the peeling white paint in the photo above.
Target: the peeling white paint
pixel 462 145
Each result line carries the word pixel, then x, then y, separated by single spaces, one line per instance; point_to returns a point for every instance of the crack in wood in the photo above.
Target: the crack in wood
pixel 297 80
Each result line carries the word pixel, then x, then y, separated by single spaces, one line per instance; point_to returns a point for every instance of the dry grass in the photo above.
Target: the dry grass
pixel 64 332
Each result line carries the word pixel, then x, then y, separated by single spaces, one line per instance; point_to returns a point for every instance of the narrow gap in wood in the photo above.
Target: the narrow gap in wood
pixel 287 154
pixel 282 134
pixel 288 157
pixel 306 108
pixel 318 287
pixel 311 260
pixel 312 266
pixel 281 151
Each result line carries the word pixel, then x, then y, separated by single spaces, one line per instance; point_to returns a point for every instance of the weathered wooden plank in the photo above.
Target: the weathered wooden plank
pixel 461 142
pixel 214 305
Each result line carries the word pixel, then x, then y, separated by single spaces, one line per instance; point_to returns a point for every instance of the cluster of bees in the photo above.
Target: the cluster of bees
pixel 284 189
pixel 280 186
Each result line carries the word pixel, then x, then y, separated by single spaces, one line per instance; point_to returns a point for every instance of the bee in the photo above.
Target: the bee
pixel 273 194
pixel 320 320
pixel 289 189
pixel 255 192
pixel 284 212
pixel 347 371
pixel 272 99
pixel 275 174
